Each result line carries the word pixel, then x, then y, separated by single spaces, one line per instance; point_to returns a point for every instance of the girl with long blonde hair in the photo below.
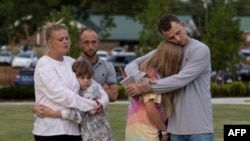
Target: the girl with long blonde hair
pixel 147 114
pixel 165 61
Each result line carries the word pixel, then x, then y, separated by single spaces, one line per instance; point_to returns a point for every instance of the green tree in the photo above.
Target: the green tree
pixel 241 6
pixel 27 16
pixel 16 13
pixel 65 14
pixel 223 37
pixel 194 8
pixel 150 36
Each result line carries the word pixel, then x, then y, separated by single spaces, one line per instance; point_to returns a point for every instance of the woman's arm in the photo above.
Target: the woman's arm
pixel 45 111
pixel 68 114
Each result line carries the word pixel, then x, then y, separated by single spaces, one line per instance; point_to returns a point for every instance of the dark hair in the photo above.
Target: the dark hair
pixel 82 68
pixel 86 28
pixel 164 23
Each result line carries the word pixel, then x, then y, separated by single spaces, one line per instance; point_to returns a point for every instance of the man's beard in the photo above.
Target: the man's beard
pixel 90 55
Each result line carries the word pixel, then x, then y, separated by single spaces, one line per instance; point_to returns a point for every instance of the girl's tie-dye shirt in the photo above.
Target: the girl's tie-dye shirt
pixel 139 127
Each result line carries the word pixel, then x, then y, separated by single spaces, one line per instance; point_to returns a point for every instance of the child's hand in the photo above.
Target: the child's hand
pixel 99 108
pixel 93 111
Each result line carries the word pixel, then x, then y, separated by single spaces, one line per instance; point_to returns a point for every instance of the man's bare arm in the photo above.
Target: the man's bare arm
pixel 112 91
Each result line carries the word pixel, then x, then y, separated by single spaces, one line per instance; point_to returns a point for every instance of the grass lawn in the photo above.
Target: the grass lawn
pixel 17 120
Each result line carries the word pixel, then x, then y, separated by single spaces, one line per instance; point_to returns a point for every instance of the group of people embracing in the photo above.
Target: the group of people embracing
pixel 170 98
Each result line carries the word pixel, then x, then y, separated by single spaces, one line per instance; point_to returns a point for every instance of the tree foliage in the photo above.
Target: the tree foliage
pixel 242 7
pixel 23 18
pixel 223 37
pixel 150 36
pixel 195 8
pixel 65 14
pixel 16 13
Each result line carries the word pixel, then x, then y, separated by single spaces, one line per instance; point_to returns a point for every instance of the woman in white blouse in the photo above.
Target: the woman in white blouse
pixel 57 87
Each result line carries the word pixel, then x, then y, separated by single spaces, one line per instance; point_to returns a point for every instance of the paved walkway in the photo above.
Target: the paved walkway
pixel 241 100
